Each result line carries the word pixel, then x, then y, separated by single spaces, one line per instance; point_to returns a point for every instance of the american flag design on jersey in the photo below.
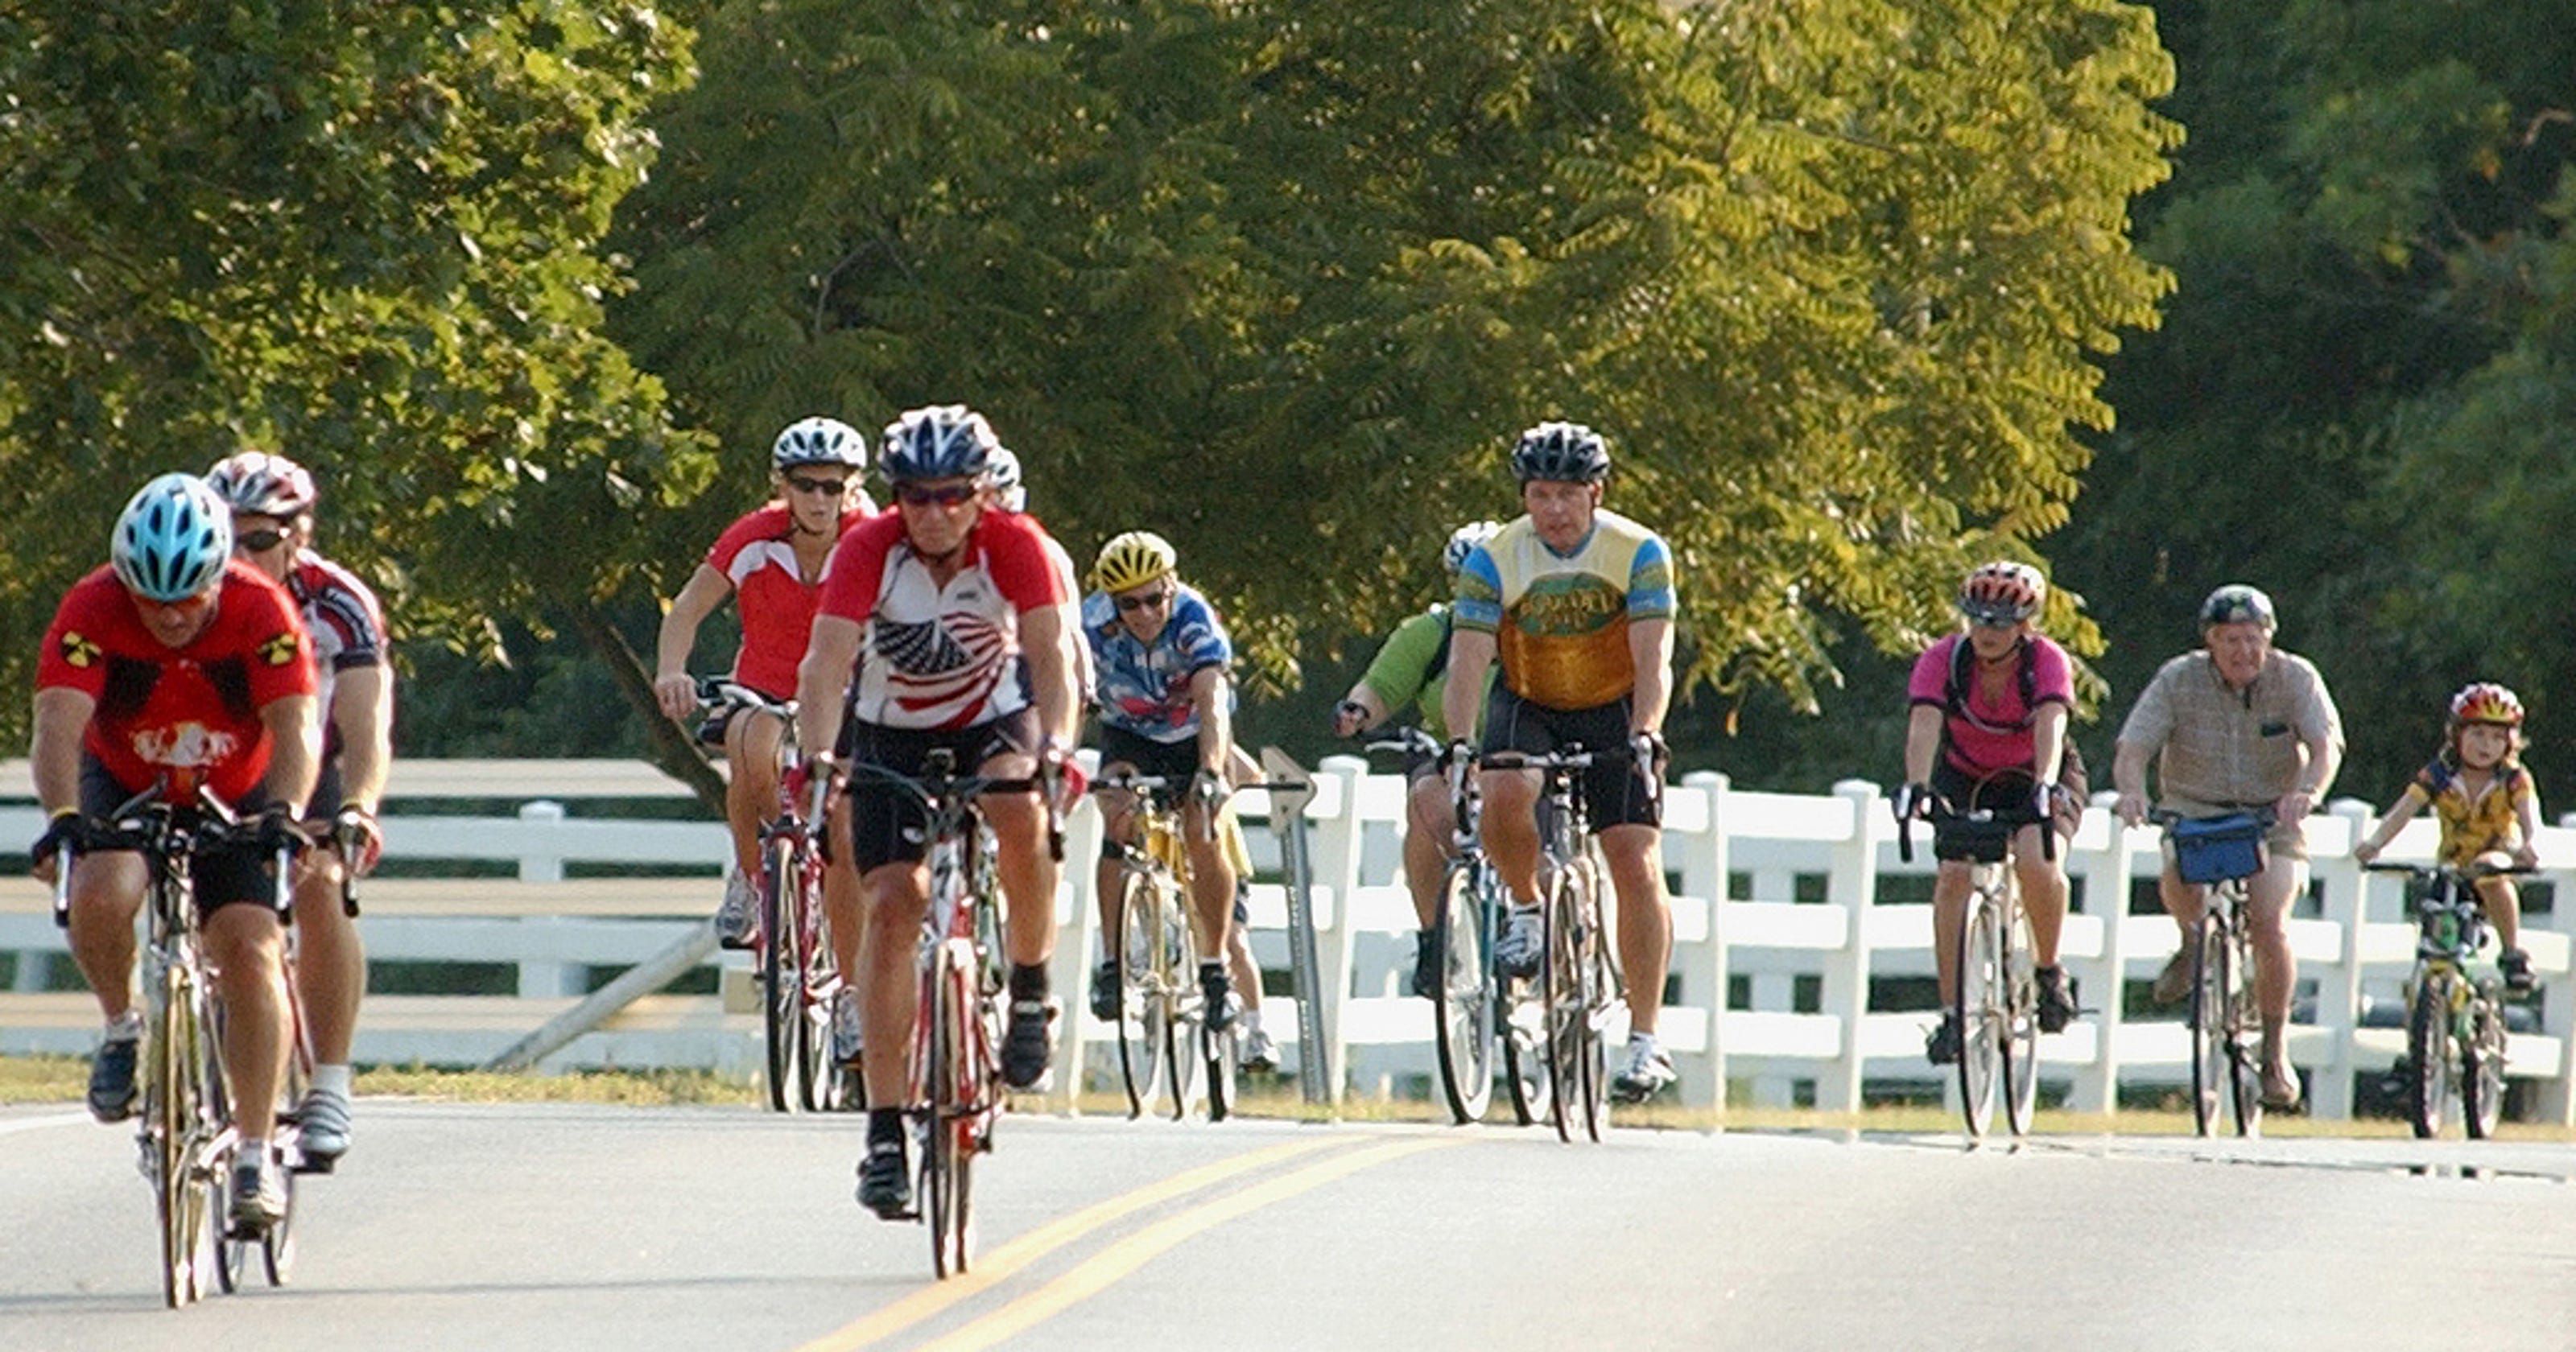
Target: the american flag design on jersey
pixel 941 657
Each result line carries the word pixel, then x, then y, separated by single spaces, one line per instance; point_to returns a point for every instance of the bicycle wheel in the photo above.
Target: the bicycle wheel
pixel 1976 1004
pixel 2482 1071
pixel 1144 1017
pixel 949 1154
pixel 1219 1056
pixel 818 987
pixel 2244 1043
pixel 1599 987
pixel 1523 1034
pixel 1185 1006
pixel 1462 1002
pixel 1568 1017
pixel 2210 1048
pixel 188 1243
pixel 781 1000
pixel 2020 1021
pixel 2429 1077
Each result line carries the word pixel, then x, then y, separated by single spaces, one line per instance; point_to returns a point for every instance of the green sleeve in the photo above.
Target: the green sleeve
pixel 1397 674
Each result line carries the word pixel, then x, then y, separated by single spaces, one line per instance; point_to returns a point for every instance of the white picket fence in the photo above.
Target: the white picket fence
pixel 1800 939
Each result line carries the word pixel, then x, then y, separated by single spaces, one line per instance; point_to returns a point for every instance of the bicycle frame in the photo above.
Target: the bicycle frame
pixel 2455 1033
pixel 1579 975
pixel 2226 1029
pixel 1152 942
pixel 1995 991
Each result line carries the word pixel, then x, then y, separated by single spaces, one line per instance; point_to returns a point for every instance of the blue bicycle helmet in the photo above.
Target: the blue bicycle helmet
pixel 1561 452
pixel 943 441
pixel 172 539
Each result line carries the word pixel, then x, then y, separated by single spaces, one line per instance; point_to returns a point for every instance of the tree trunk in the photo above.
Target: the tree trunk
pixel 668 746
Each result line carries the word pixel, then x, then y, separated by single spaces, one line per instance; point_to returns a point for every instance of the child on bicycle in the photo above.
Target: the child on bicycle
pixel 1988 730
pixel 2484 799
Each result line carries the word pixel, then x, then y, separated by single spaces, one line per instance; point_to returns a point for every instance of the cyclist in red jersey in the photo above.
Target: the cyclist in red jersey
pixel 968 635
pixel 177 668
pixel 772 562
pixel 272 501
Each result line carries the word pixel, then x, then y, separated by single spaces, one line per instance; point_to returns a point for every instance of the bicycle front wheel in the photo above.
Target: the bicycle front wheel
pixel 2210 1046
pixel 2482 1070
pixel 1144 1000
pixel 1976 1003
pixel 948 1156
pixel 2430 1078
pixel 2020 1013
pixel 2244 1046
pixel 1463 1000
pixel 1571 1043
pixel 781 1005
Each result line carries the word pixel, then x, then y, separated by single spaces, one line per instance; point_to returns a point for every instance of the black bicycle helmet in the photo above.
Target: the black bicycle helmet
pixel 2236 603
pixel 1561 452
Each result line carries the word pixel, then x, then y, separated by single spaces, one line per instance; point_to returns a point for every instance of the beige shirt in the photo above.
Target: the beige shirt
pixel 2219 749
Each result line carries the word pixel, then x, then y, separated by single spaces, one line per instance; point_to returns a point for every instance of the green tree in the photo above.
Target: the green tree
pixel 1282 281
pixel 363 234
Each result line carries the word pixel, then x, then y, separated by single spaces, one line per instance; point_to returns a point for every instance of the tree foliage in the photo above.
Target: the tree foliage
pixel 362 234
pixel 1283 281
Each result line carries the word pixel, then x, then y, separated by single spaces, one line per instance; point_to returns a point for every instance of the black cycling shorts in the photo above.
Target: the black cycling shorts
pixel 1173 761
pixel 888 825
pixel 1616 790
pixel 224 876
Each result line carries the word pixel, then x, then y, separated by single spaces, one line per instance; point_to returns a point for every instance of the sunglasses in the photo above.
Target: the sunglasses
pixel 1995 622
pixel 258 541
pixel 826 487
pixel 1145 600
pixel 913 495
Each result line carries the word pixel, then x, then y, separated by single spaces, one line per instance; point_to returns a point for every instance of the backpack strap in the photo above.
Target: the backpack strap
pixel 1954 698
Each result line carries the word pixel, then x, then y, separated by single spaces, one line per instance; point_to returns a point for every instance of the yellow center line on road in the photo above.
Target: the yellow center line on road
pixel 994 1267
pixel 1096 1273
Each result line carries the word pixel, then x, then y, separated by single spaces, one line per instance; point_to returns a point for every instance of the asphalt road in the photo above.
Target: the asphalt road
pixel 495 1228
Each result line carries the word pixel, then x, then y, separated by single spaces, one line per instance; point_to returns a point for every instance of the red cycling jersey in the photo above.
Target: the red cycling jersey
pixel 941 657
pixel 189 713
pixel 758 556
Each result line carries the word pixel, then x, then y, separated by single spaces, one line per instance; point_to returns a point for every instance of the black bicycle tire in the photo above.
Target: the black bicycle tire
pixel 2208 1022
pixel 1140 1022
pixel 1560 977
pixel 780 1004
pixel 2482 1071
pixel 1185 1010
pixel 1593 980
pixel 1463 1020
pixel 2021 1018
pixel 2428 1051
pixel 818 979
pixel 1978 971
pixel 2244 1046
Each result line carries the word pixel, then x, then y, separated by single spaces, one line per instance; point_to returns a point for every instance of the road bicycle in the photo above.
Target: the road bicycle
pixel 800 977
pixel 1995 1001
pixel 954 1094
pixel 1482 1021
pixel 1579 983
pixel 186 1133
pixel 2222 853
pixel 2455 1032
pixel 1167 1051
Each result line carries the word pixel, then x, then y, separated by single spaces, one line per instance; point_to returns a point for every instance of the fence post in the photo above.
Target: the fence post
pixel 2096 1086
pixel 1069 970
pixel 2339 992
pixel 2555 1103
pixel 1336 839
pixel 541 860
pixel 1852 885
pixel 1703 867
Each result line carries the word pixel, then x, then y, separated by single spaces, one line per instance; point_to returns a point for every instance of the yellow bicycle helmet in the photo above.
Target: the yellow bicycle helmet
pixel 1131 560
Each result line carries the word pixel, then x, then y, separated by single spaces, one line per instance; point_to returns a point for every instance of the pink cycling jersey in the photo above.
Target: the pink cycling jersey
pixel 1990 734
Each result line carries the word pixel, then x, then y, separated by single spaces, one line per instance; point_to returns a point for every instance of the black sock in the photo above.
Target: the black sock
pixel 1211 971
pixel 885 1125
pixel 1028 981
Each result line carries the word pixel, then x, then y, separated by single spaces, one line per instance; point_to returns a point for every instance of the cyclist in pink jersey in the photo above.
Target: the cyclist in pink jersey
pixel 772 562
pixel 1989 731
pixel 967 633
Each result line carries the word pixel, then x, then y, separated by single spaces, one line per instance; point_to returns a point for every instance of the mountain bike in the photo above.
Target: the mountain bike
pixel 1480 1018
pixel 955 1092
pixel 1995 1000
pixel 2226 1030
pixel 800 978
pixel 186 1136
pixel 2455 1033
pixel 1579 984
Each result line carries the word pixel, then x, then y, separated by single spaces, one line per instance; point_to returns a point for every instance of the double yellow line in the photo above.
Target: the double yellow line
pixel 1096 1273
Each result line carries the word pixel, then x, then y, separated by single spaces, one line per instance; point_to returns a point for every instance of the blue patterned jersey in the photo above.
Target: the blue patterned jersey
pixel 1145 688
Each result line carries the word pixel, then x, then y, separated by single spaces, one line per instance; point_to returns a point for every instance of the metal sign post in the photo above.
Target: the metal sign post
pixel 1288 822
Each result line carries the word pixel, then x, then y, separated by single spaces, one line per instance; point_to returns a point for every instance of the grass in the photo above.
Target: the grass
pixel 61 1079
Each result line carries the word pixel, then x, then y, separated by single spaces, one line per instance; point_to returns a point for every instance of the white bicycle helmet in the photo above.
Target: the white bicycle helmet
pixel 1463 541
pixel 1003 468
pixel 262 484
pixel 818 441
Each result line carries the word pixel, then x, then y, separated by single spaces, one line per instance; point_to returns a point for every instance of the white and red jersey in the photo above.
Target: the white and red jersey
pixel 758 556
pixel 347 623
pixel 941 657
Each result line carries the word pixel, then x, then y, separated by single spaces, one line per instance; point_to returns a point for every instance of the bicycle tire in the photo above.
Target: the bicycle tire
pixel 1143 1001
pixel 948 1156
pixel 1186 1008
pixel 2210 1050
pixel 2482 1071
pixel 818 983
pixel 2428 1055
pixel 1599 988
pixel 1561 977
pixel 1974 999
pixel 2021 1021
pixel 2244 1047
pixel 1220 1053
pixel 188 1196
pixel 780 1001
pixel 1463 1000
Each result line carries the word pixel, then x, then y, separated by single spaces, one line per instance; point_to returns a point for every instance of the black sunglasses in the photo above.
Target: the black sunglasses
pixel 913 495
pixel 831 487
pixel 259 541
pixel 1147 601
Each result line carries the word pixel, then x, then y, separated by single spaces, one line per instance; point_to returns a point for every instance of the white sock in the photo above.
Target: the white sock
pixel 125 1027
pixel 1251 1022
pixel 1646 1041
pixel 334 1078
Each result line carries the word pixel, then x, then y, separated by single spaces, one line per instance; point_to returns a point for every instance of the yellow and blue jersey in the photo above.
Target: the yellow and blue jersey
pixel 1560 621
